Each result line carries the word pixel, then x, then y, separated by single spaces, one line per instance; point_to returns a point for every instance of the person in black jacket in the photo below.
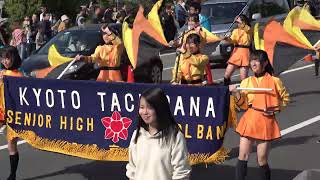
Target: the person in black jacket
pixel 169 22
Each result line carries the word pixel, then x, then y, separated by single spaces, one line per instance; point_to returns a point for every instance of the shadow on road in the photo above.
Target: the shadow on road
pixel 305 93
pixel 97 170
pixel 277 143
pixel 116 171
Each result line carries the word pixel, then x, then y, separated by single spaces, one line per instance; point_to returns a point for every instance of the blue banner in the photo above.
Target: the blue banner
pixel 96 120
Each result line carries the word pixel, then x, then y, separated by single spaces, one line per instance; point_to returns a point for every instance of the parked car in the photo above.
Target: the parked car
pixel 223 13
pixel 83 41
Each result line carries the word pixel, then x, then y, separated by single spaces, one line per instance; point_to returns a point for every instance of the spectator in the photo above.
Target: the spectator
pixel 181 12
pixel 107 17
pixel 46 26
pixel 4 36
pixel 80 19
pixel 34 30
pixel 195 8
pixel 125 8
pixel 157 148
pixel 97 17
pixel 120 16
pixel 114 14
pixel 26 22
pixel 55 24
pixel 18 39
pixel 64 24
pixel 40 39
pixel 169 23
pixel 43 12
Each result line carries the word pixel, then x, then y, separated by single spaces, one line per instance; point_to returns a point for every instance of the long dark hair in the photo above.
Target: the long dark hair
pixel 12 53
pixel 245 19
pixel 262 57
pixel 166 123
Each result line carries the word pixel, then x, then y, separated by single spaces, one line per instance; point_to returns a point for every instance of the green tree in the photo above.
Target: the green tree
pixel 18 9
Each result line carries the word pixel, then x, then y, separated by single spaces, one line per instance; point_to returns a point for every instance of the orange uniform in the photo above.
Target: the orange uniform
pixel 14 73
pixel 191 69
pixel 109 56
pixel 242 40
pixel 255 123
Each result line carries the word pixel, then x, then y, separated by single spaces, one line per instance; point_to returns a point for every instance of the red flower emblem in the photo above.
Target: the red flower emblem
pixel 116 127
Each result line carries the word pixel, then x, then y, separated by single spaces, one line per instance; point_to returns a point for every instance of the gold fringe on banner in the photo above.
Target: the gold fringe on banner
pixel 73 149
pixel 217 158
pixel 115 153
pixel 232 119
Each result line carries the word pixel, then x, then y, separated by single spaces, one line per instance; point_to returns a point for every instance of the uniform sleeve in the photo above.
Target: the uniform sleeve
pixel 198 60
pixel 282 91
pixel 234 36
pixel 131 166
pixel 176 76
pixel 179 159
pixel 118 45
pixel 242 100
pixel 95 56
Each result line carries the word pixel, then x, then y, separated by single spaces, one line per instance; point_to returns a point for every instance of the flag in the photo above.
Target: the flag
pixel 294 30
pixel 145 39
pixel 309 26
pixel 306 21
pixel 258 42
pixel 55 58
pixel 282 48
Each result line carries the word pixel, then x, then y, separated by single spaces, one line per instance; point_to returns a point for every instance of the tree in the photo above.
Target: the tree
pixel 18 9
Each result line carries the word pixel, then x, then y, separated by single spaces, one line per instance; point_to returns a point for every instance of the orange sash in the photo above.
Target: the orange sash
pixel 267 100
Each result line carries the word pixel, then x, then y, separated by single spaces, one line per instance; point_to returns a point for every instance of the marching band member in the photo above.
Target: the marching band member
pixel 239 58
pixel 11 62
pixel 258 124
pixel 158 149
pixel 108 56
pixel 190 65
pixel 193 27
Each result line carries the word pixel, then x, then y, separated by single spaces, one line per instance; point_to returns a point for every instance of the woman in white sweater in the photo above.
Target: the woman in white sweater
pixel 157 149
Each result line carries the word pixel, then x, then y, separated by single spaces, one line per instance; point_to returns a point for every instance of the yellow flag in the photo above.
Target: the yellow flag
pixel 55 58
pixel 258 42
pixel 154 19
pixel 308 19
pixel 127 41
pixel 294 30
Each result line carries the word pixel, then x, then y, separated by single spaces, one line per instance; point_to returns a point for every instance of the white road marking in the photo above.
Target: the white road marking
pixel 168 54
pixel 6 146
pixel 300 125
pixel 297 69
pixel 283 132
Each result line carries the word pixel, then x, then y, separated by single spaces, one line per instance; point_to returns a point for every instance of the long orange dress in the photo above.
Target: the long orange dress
pixel 14 73
pixel 241 52
pixel 254 123
pixel 109 56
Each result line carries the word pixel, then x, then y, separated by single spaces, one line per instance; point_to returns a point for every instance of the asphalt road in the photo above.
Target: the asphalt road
pixel 296 151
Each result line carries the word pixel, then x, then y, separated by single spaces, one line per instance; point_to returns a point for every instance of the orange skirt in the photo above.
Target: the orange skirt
pixel 109 76
pixel 240 57
pixel 255 125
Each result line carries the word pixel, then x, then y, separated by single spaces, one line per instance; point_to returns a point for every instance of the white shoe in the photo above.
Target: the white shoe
pixel 2 128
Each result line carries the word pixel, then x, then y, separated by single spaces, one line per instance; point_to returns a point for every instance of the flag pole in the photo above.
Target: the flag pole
pixel 234 21
pixel 65 70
